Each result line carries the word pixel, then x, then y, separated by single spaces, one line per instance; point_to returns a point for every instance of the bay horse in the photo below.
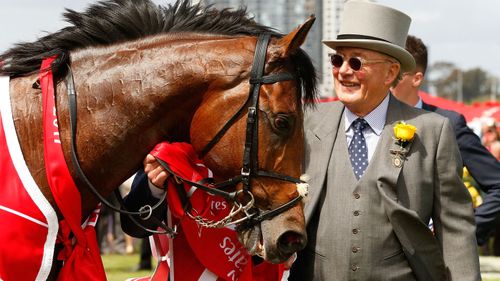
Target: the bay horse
pixel 145 73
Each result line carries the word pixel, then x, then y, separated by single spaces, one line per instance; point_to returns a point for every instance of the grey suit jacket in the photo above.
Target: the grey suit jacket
pixel 427 185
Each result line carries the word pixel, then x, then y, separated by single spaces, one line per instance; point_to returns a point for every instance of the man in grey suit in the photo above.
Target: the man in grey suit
pixel 373 189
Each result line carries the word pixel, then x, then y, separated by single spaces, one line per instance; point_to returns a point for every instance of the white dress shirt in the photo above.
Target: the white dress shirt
pixel 419 103
pixel 376 120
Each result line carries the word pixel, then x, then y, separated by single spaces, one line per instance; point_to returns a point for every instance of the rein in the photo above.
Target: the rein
pixel 250 168
pixel 144 212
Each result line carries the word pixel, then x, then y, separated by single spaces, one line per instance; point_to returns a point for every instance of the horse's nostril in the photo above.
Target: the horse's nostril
pixel 291 242
pixel 291 238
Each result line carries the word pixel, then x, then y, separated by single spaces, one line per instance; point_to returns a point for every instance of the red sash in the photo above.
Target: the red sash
pixel 81 253
pixel 199 253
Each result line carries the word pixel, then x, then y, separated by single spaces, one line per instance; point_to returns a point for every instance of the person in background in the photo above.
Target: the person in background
pixel 145 256
pixel 490 133
pixel 495 149
pixel 105 229
pixel 480 163
pixel 380 169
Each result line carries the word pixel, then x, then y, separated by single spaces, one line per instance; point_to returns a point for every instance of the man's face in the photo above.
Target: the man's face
pixel 363 90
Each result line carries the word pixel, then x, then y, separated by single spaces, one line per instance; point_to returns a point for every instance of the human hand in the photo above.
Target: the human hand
pixel 156 173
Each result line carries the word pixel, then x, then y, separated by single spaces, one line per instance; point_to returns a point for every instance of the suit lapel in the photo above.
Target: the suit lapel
pixel 319 143
pixel 389 165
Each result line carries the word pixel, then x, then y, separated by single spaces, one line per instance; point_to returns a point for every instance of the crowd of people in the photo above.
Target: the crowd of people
pixel 490 136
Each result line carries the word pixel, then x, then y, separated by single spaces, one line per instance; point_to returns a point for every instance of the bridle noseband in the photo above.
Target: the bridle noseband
pixel 250 167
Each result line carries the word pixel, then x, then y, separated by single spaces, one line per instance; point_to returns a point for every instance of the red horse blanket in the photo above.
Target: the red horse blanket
pixel 29 223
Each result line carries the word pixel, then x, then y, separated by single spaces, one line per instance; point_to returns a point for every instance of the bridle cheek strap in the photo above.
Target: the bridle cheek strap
pixel 250 167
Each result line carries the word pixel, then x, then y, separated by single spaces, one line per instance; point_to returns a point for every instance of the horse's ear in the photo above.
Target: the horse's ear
pixel 290 43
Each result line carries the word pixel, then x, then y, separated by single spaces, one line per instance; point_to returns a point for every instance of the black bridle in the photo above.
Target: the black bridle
pixel 250 168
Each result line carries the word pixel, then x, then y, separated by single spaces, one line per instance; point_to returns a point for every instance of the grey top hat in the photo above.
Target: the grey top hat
pixel 375 27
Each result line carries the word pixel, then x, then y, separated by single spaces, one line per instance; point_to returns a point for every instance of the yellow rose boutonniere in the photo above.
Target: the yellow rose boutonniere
pixel 404 132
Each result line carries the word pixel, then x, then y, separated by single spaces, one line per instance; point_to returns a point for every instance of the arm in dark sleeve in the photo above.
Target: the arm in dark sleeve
pixel 140 195
pixel 485 170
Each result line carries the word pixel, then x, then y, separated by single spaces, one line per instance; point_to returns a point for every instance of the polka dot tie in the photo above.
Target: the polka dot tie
pixel 358 152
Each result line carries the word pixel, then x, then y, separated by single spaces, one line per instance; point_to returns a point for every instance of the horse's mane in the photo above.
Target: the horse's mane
pixel 114 21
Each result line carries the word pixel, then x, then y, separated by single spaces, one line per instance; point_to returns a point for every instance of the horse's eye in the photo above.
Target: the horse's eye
pixel 282 123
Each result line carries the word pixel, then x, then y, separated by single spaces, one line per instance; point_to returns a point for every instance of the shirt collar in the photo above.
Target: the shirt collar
pixel 376 118
pixel 419 103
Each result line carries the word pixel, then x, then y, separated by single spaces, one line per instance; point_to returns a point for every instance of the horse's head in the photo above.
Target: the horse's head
pixel 273 142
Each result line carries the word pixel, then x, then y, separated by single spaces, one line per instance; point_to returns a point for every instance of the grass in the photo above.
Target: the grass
pixel 119 267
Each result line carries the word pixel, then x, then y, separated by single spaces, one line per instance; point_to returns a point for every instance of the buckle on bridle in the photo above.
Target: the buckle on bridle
pixel 245 172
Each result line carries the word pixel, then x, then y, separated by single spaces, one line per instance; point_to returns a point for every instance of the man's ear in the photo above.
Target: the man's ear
pixel 393 73
pixel 418 79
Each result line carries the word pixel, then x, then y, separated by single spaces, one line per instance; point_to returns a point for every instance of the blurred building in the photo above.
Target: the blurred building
pixel 286 15
pixel 332 10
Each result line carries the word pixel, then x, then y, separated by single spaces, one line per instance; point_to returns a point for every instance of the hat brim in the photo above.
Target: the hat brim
pixel 403 56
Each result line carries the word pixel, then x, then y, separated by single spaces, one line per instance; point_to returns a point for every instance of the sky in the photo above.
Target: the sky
pixel 462 32
pixel 465 33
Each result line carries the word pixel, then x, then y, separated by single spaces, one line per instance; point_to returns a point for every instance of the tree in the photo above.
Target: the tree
pixel 476 85
pixel 453 83
pixel 443 77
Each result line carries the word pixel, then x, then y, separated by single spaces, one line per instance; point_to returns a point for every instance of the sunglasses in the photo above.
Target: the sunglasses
pixel 355 63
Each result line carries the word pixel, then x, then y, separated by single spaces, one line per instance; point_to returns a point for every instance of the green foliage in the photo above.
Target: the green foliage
pixel 475 84
pixel 443 77
pixel 451 82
